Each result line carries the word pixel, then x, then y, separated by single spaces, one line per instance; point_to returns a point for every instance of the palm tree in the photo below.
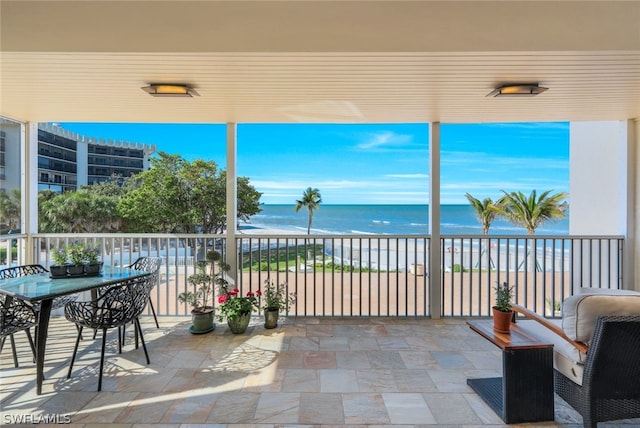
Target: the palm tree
pixel 311 199
pixel 485 211
pixel 530 212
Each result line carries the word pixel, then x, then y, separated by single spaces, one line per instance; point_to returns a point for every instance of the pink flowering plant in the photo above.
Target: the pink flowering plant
pixel 276 296
pixel 232 304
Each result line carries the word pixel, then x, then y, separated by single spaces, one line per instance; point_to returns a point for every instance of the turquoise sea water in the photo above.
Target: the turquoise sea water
pixel 389 219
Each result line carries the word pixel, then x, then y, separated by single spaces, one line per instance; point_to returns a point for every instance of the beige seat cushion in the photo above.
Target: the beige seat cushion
pixel 580 311
pixel 566 359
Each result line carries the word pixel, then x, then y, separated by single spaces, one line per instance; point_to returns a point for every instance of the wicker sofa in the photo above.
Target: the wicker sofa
pixel 596 352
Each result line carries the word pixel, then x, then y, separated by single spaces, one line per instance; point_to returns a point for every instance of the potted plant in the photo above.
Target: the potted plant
pixel 59 267
pixel 502 312
pixel 201 296
pixel 276 299
pixel 236 309
pixel 93 265
pixel 76 257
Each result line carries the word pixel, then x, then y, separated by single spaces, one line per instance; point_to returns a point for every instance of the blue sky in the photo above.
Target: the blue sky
pixel 369 163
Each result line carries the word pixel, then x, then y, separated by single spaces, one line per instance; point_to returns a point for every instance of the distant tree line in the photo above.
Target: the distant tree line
pixel 172 196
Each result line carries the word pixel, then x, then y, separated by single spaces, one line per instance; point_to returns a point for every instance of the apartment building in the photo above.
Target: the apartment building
pixel 68 161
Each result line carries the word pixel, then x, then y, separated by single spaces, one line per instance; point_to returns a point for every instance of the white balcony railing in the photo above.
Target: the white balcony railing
pixel 372 275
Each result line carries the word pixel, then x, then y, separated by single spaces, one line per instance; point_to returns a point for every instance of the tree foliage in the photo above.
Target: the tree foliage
pixel 178 196
pixel 485 210
pixel 533 210
pixel 311 200
pixel 10 209
pixel 79 212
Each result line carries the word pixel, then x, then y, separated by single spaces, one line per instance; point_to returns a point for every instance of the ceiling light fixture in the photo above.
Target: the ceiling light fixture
pixel 517 90
pixel 169 90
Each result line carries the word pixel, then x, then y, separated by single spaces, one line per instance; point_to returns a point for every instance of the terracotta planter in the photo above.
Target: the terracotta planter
pixel 239 324
pixel 271 318
pixel 502 320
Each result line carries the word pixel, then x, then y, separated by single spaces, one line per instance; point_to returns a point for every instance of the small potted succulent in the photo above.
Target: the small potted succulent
pixel 502 312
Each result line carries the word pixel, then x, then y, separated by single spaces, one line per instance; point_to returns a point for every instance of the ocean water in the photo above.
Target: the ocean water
pixel 389 220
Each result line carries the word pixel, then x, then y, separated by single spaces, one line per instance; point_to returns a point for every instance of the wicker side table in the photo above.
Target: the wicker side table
pixel 524 393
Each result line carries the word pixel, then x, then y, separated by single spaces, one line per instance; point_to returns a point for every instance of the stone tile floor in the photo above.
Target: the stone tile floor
pixel 307 372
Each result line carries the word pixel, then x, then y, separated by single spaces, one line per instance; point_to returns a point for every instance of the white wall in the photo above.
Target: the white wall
pixel 598 182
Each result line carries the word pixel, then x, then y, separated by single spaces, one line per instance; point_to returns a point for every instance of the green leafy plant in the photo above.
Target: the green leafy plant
pixel 59 256
pixel 276 296
pixel 76 253
pixel 233 305
pixel 203 283
pixel 91 254
pixel 554 305
pixel 504 295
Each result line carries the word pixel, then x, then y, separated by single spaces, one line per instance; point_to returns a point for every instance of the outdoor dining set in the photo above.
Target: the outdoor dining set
pixel 28 295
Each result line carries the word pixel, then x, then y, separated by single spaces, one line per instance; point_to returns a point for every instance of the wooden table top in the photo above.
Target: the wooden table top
pixel 516 339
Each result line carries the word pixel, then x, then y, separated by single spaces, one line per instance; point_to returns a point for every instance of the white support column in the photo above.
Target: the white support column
pixel 632 259
pixel 435 258
pixel 29 184
pixel 602 191
pixel 232 201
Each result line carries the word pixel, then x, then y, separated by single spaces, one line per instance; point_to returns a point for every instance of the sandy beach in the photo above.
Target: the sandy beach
pixel 384 280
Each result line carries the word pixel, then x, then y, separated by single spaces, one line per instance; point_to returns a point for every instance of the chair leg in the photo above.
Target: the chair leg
pixel 153 311
pixel 144 346
pixel 33 346
pixel 104 345
pixel 13 351
pixel 75 351
pixel 120 339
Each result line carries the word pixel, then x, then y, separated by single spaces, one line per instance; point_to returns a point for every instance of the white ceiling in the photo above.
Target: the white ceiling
pixel 319 61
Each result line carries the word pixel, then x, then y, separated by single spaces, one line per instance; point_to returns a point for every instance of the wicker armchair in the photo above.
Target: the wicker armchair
pixel 596 352
pixel 116 306
pixel 149 264
pixel 15 315
pixel 610 387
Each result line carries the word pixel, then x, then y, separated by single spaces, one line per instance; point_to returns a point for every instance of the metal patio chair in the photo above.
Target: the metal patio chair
pixel 118 305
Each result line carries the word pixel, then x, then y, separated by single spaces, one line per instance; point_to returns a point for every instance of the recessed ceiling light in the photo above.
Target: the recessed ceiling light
pixel 169 90
pixel 517 90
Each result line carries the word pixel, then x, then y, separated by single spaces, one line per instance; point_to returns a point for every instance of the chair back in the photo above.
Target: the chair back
pixel 24 270
pixel 112 308
pixel 612 368
pixel 15 316
pixel 148 264
pixel 140 291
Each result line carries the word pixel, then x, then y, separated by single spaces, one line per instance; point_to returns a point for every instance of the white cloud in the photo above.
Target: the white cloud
pixel 385 140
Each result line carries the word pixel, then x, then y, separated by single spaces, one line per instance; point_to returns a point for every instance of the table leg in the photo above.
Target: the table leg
pixel 41 341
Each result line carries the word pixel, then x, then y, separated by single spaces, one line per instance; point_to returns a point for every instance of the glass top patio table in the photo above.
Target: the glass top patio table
pixel 35 288
pixel 42 288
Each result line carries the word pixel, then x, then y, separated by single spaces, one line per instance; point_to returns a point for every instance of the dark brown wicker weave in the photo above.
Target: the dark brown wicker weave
pixel 149 264
pixel 611 381
pixel 117 305
pixel 15 315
